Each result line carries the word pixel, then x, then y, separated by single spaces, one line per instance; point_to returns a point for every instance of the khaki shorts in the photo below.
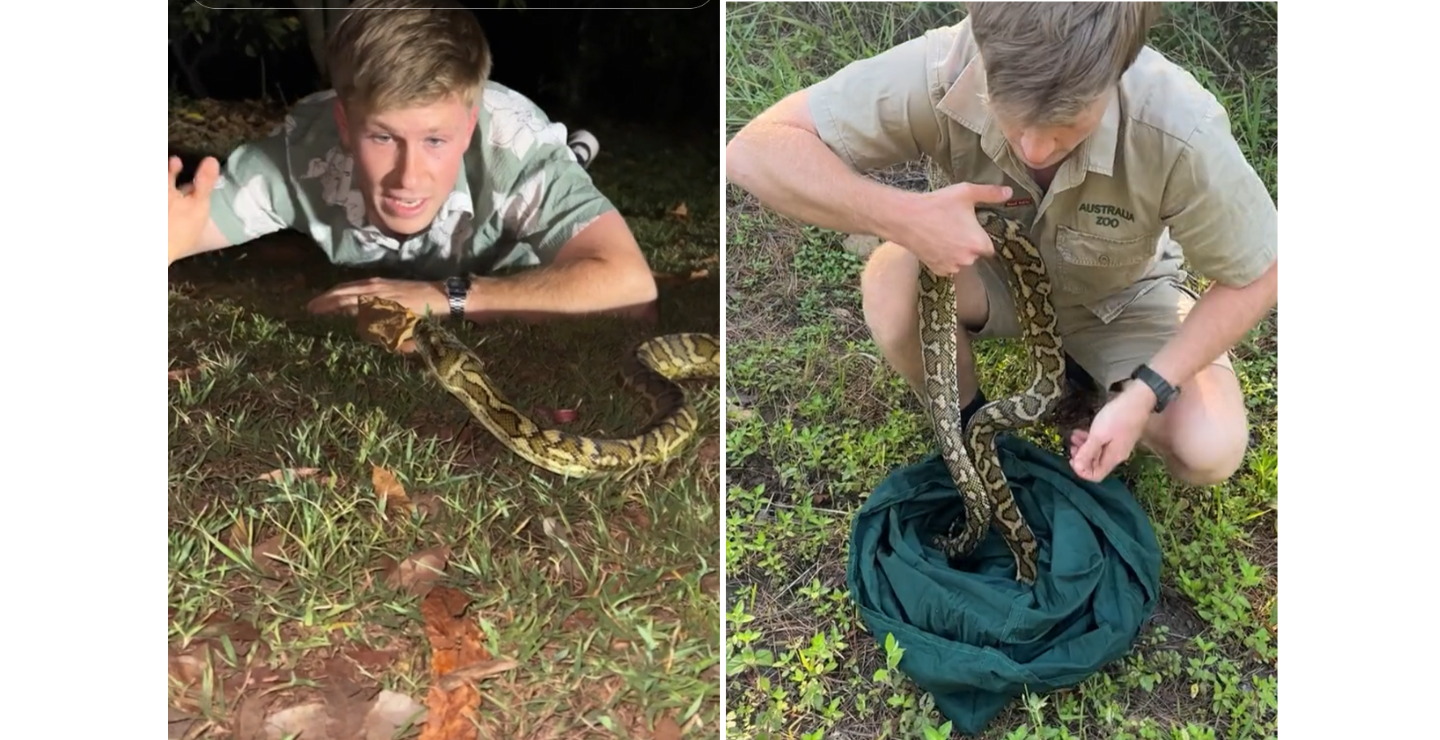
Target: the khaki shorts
pixel 1108 352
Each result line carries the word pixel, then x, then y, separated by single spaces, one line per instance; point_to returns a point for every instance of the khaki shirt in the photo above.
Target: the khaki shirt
pixel 1161 169
pixel 519 197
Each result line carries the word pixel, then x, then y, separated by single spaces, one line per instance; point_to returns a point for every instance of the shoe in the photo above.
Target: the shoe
pixel 585 146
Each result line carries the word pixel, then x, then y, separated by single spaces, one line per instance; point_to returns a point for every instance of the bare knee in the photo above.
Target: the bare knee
pixel 888 297
pixel 1205 440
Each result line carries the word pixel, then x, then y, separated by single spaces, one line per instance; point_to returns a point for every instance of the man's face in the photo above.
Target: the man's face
pixel 407 160
pixel 1042 147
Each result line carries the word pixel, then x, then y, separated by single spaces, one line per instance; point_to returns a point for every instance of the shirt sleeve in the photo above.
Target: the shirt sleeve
pixel 554 200
pixel 878 111
pixel 253 196
pixel 1218 208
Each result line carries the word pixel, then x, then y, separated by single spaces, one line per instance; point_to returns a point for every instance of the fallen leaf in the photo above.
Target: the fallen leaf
pixel 239 533
pixel 418 572
pixel 428 504
pixel 476 672
pixel 347 704
pixel 239 631
pixel 389 489
pixel 269 557
pixel 186 668
pixel 680 211
pixel 667 729
pixel 454 644
pixel 310 720
pixel 182 725
pixel 450 715
pixel 183 373
pixel 454 639
pixel 247 720
pixel 287 473
pixel 390 712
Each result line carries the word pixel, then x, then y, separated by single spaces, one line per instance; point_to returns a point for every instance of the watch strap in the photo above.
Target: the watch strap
pixel 1164 392
pixel 457 289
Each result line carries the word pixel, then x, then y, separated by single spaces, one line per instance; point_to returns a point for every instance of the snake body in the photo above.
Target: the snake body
pixel 652 368
pixel 970 454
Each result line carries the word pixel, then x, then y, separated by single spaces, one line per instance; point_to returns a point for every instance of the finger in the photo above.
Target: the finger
pixel 981 193
pixel 330 301
pixel 175 167
pixel 321 304
pixel 206 177
pixel 1087 458
pixel 937 272
pixel 1111 459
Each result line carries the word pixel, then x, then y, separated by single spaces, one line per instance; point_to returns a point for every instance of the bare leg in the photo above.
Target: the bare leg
pixel 888 294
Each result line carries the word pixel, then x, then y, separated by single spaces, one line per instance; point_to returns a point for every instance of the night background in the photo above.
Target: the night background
pixel 647 66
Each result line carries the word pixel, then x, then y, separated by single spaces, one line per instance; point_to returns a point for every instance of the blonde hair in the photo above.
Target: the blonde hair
pixel 1045 63
pixel 385 56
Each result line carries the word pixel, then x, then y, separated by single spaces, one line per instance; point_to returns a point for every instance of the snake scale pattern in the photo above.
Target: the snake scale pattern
pixel 652 369
pixel 970 453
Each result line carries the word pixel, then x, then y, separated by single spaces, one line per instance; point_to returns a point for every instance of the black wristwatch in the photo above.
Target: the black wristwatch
pixel 1164 392
pixel 456 290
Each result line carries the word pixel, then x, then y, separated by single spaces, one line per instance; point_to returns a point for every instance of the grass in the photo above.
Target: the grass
pixel 292 580
pixel 816 421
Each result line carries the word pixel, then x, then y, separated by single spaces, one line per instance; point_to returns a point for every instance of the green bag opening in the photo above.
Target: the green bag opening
pixel 974 637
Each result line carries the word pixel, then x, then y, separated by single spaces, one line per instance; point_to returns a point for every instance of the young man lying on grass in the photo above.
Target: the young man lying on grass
pixel 1058 115
pixel 416 161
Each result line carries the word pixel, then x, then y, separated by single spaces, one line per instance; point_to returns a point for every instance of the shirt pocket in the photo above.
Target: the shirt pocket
pixel 1092 266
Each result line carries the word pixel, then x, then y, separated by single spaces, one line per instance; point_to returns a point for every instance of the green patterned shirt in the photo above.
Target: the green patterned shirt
pixel 519 197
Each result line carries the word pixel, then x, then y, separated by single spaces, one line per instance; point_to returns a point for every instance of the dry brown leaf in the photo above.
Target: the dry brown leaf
pixel 389 489
pixel 186 668
pixel 291 473
pixel 269 556
pixel 184 726
pixel 680 211
pixel 476 672
pixel 418 572
pixel 183 373
pixel 428 504
pixel 239 533
pixel 389 713
pixel 455 643
pixel 667 729
pixel 239 631
pixel 450 715
pixel 347 703
pixel 310 720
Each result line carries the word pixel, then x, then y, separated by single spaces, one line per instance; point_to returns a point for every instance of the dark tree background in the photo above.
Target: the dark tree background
pixel 639 66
